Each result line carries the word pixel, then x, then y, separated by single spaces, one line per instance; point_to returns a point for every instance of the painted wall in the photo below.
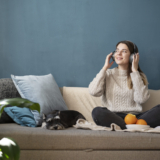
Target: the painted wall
pixel 71 38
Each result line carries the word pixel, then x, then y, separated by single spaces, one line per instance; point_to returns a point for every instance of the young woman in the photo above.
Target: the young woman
pixel 123 90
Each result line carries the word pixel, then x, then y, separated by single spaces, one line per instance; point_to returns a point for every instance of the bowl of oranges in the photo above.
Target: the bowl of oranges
pixel 133 123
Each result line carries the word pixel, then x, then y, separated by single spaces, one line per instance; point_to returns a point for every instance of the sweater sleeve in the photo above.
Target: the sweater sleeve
pixel 97 86
pixel 141 93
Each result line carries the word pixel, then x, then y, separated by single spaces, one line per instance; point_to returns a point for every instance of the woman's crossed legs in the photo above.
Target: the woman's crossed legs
pixel 104 117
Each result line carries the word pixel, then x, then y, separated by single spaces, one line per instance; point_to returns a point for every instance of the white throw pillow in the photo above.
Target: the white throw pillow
pixel 41 89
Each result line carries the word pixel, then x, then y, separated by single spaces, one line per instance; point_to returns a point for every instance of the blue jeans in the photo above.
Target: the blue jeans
pixel 104 117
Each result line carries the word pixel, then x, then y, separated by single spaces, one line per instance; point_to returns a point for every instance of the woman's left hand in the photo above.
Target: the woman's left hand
pixel 135 62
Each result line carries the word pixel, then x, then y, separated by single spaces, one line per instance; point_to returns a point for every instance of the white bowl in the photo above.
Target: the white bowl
pixel 137 126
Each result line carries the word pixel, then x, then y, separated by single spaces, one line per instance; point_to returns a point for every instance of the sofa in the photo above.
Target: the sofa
pixel 41 144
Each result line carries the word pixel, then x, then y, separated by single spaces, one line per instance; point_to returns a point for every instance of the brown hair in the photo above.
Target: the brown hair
pixel 131 49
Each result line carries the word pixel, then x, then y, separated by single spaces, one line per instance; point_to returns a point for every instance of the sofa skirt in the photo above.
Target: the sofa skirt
pixel 90 155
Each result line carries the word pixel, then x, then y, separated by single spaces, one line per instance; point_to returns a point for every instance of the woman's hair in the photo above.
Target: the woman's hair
pixel 131 49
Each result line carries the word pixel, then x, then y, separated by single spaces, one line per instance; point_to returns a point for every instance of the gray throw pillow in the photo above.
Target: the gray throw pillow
pixel 41 89
pixel 8 89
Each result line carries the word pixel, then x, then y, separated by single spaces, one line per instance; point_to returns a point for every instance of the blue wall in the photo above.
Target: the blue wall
pixel 71 38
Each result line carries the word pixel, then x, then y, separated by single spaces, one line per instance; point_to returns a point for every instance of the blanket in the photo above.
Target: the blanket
pixel 84 124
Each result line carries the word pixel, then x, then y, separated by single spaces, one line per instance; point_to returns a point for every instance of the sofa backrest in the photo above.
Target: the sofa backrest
pixel 78 98
pixel 153 100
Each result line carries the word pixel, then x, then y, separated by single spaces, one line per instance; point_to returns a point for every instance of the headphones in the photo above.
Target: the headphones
pixel 131 56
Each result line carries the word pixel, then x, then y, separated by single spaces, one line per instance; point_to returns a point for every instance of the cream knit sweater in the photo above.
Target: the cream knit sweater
pixel 111 85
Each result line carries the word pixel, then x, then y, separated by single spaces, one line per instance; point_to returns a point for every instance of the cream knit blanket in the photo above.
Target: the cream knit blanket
pixel 84 124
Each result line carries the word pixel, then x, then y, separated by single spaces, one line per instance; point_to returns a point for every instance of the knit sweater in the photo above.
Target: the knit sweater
pixel 111 85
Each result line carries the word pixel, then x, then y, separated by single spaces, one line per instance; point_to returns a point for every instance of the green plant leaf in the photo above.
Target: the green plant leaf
pixel 9 149
pixel 19 102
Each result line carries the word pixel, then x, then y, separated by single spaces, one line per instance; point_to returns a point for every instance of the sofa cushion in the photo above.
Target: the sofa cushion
pixel 41 89
pixel 78 139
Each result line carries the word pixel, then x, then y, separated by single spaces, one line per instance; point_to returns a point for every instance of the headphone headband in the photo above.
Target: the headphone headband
pixel 134 47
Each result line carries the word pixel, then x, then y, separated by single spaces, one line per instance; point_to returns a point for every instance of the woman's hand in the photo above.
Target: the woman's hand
pixel 135 62
pixel 107 64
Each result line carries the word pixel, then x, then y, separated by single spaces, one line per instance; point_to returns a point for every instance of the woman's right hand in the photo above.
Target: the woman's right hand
pixel 107 65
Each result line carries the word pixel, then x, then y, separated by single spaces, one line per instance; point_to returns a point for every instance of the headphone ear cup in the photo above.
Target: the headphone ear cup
pixel 131 58
pixel 113 56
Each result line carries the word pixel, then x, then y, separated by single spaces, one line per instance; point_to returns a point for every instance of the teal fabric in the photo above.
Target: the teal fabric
pixel 22 116
pixel 37 117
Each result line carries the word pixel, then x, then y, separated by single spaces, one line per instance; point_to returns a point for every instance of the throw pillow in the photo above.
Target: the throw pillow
pixel 8 89
pixel 22 116
pixel 41 89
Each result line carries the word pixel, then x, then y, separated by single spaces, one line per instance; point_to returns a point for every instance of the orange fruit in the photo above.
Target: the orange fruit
pixel 130 119
pixel 141 121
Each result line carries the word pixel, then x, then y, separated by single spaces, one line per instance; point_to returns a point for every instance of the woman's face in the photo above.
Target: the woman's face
pixel 122 54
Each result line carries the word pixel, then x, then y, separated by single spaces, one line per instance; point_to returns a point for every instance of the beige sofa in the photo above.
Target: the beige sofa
pixel 77 144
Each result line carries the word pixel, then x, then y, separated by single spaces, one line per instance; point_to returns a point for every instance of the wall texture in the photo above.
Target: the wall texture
pixel 71 38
